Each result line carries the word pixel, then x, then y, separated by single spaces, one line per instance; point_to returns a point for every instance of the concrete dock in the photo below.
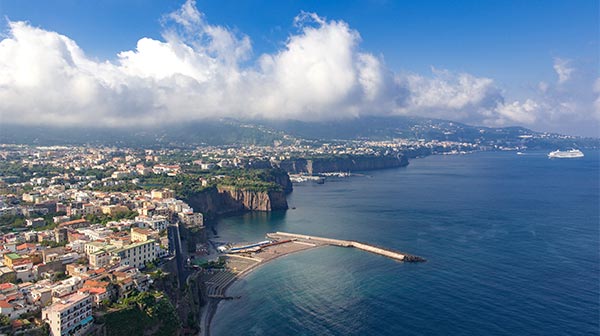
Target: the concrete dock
pixel 345 243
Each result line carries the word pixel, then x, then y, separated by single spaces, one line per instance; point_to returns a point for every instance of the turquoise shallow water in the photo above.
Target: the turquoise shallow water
pixel 512 244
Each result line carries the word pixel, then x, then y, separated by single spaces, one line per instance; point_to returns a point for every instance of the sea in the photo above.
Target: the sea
pixel 511 242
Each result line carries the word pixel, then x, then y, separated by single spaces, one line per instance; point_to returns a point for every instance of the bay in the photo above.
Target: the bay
pixel 511 241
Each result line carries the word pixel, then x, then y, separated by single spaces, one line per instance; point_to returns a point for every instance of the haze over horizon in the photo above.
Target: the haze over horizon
pixel 322 68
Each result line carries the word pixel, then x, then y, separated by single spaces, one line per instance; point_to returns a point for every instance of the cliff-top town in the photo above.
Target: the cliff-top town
pixel 85 229
pixel 89 233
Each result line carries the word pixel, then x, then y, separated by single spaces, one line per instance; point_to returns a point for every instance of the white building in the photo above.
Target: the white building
pixel 192 219
pixel 94 246
pixel 70 315
pixel 95 232
pixel 101 258
pixel 155 222
pixel 136 254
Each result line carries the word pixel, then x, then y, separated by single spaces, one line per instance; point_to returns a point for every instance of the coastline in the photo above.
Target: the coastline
pixel 209 311
pixel 282 244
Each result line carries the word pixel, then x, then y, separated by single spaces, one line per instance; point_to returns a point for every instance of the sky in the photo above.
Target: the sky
pixel 122 63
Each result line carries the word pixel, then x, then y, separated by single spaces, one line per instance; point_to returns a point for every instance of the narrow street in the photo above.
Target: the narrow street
pixel 180 256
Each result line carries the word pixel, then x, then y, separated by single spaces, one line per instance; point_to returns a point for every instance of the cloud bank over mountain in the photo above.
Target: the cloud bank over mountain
pixel 200 70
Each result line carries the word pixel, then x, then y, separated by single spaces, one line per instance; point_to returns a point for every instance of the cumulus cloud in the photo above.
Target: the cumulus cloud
pixel 524 112
pixel 461 95
pixel 563 69
pixel 200 70
pixel 571 104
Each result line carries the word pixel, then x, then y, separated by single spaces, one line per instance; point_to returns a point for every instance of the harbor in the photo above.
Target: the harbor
pixel 240 260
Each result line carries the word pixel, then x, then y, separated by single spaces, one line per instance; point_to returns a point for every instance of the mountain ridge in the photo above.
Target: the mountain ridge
pixel 228 131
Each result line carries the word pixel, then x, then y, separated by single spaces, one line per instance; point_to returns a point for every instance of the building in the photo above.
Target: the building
pixel 142 235
pixel 71 315
pixel 95 246
pixel 162 194
pixel 61 234
pixel 191 219
pixel 35 222
pixel 12 259
pixel 41 296
pixel 31 198
pixel 101 258
pixel 113 210
pixel 98 290
pixel 119 175
pixel 155 222
pixel 74 224
pixel 136 254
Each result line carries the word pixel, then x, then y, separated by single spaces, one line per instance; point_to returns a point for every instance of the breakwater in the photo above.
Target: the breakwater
pixel 348 243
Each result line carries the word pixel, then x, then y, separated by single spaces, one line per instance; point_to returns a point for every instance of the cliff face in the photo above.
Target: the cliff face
pixel 241 199
pixel 343 164
pixel 282 178
pixel 224 200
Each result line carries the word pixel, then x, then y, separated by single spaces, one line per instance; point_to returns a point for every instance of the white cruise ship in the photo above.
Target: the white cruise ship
pixel 570 154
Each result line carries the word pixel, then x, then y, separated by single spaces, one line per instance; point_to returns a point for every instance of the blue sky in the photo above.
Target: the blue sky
pixel 514 43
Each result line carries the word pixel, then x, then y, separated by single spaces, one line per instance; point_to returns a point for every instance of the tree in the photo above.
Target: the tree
pixel 4 320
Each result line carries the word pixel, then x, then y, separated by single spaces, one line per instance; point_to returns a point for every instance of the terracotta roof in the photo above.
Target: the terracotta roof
pixel 127 280
pixel 73 222
pixel 6 285
pixel 96 290
pixel 4 304
pixel 25 246
pixel 94 283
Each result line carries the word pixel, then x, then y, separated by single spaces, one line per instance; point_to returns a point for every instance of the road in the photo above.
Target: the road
pixel 175 246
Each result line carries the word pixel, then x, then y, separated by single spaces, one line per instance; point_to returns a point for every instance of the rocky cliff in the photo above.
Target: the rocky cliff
pixel 280 177
pixel 226 199
pixel 243 199
pixel 343 163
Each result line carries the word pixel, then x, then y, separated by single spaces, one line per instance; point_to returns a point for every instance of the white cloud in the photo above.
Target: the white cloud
pixel 200 71
pixel 524 113
pixel 563 69
pixel 461 95
pixel 597 100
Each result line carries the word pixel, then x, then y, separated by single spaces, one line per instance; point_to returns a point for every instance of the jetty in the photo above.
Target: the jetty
pixel 300 238
pixel 243 259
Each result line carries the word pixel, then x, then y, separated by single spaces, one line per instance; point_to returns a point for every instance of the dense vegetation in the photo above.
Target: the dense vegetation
pixel 11 222
pixel 189 183
pixel 104 218
pixel 143 314
pixel 26 172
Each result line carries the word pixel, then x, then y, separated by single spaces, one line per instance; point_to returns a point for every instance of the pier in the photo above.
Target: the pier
pixel 299 238
pixel 240 262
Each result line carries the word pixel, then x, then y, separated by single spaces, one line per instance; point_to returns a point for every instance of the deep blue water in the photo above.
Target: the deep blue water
pixel 512 244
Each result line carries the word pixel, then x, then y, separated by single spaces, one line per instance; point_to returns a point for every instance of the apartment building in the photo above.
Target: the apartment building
pixel 136 254
pixel 70 315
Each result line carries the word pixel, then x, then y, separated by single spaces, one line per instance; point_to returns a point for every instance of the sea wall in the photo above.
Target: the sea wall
pixel 343 163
